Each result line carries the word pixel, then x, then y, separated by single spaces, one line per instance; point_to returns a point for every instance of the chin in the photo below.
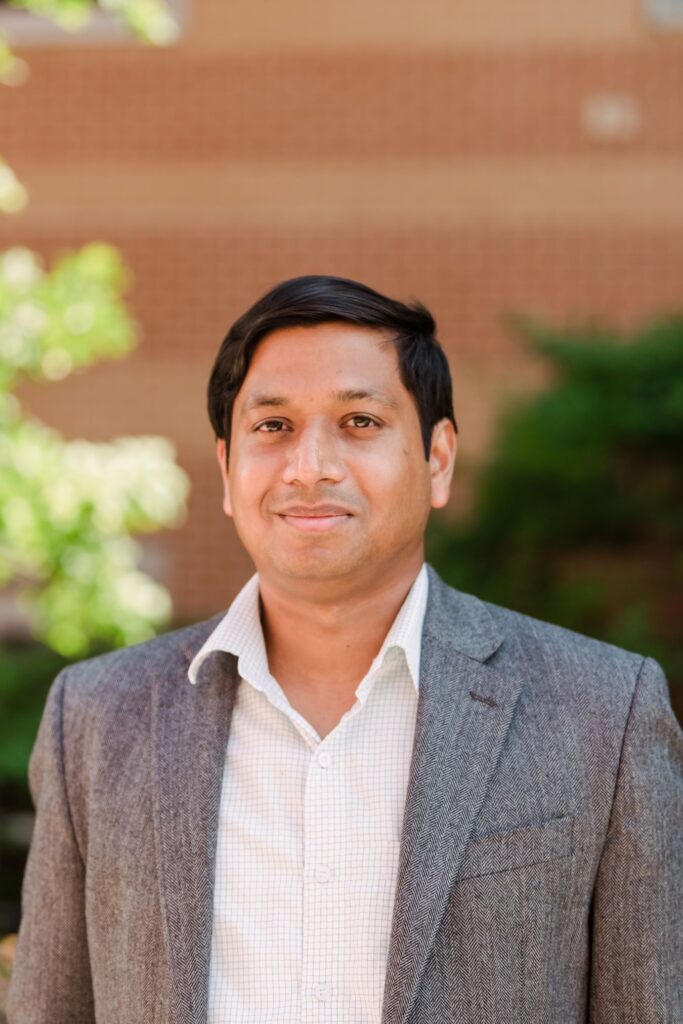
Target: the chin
pixel 320 565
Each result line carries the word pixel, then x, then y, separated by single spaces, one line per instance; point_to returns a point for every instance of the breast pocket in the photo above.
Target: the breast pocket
pixel 521 847
pixel 509 913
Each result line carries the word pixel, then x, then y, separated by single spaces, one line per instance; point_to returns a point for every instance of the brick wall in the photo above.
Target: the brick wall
pixel 436 150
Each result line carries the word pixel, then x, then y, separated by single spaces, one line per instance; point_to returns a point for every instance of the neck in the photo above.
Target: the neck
pixel 326 643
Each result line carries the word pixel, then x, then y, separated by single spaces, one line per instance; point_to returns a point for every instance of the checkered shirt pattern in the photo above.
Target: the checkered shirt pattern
pixel 309 831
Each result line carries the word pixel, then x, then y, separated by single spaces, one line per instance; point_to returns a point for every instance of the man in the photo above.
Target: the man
pixel 359 794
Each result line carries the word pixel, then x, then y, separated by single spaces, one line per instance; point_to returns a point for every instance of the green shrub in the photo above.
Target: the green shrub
pixel 576 517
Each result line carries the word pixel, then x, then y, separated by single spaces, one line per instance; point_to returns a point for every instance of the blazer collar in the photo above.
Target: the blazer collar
pixel 459 620
pixel 464 711
pixel 452 616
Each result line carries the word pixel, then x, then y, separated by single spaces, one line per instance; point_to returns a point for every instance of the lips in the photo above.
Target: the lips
pixel 314 511
pixel 315 519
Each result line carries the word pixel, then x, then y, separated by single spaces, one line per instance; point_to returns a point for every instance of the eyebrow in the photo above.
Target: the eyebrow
pixel 260 399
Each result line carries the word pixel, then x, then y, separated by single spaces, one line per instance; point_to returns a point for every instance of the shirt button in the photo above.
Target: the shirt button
pixel 323 873
pixel 324 759
pixel 321 992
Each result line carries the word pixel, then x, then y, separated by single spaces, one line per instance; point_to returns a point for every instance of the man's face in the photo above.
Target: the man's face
pixel 323 419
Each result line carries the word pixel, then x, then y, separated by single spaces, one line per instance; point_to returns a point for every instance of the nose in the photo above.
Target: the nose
pixel 313 455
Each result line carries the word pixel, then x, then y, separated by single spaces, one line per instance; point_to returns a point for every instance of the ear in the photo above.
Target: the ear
pixel 220 455
pixel 442 461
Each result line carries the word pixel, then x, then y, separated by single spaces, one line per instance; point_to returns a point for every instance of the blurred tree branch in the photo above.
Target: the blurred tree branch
pixel 68 509
pixel 149 20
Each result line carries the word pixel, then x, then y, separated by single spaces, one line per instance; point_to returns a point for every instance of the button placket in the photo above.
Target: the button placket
pixel 320 835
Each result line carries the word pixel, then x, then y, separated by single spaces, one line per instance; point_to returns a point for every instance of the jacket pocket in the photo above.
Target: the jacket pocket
pixel 518 848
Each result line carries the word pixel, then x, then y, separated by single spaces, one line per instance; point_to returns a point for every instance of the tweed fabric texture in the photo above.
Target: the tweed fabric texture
pixel 539 875
pixel 309 832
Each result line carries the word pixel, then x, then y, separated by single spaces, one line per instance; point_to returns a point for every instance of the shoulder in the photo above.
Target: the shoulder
pixel 577 671
pixel 556 647
pixel 583 685
pixel 554 661
pixel 124 677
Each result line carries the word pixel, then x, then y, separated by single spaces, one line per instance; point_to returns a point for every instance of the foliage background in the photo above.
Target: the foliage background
pixel 576 516
pixel 69 510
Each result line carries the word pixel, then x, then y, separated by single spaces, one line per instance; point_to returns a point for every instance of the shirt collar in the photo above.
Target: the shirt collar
pixel 239 632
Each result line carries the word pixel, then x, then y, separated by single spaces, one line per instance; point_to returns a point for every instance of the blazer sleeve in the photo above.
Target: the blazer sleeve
pixel 51 982
pixel 636 953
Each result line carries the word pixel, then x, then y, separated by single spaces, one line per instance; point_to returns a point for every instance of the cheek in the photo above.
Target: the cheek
pixel 253 462
pixel 398 484
pixel 248 482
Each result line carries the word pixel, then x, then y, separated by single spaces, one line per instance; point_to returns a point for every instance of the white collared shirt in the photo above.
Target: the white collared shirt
pixel 309 831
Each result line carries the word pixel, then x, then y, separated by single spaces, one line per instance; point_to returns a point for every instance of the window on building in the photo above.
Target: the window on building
pixel 665 13
pixel 22 27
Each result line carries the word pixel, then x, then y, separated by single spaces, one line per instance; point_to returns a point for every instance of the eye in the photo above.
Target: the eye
pixel 369 420
pixel 269 423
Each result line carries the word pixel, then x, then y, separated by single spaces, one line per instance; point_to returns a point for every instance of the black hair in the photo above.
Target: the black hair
pixel 316 299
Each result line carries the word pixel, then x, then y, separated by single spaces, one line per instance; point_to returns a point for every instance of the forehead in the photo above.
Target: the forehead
pixel 324 360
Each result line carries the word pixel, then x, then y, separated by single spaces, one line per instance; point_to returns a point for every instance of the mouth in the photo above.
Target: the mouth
pixel 316 524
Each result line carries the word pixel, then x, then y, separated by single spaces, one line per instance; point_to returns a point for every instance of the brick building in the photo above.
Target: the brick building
pixel 485 158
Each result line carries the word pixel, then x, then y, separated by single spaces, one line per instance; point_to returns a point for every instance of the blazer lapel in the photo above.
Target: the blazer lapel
pixel 464 711
pixel 190 726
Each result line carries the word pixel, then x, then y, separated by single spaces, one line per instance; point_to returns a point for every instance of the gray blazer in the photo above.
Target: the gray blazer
pixel 540 866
